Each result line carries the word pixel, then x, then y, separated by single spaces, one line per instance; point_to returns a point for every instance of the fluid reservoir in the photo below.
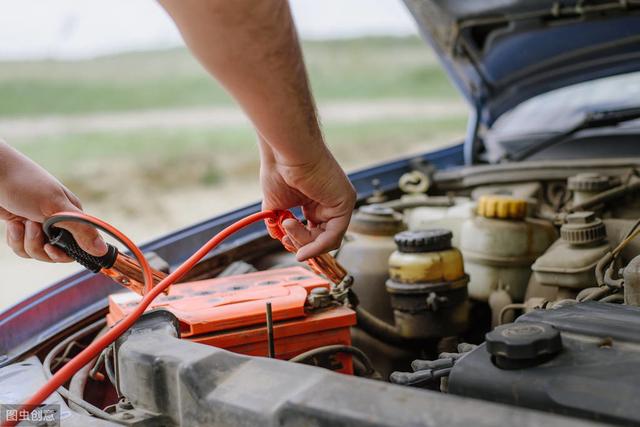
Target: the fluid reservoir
pixel 428 285
pixel 424 212
pixel 448 217
pixel 499 245
pixel 365 254
pixel 570 262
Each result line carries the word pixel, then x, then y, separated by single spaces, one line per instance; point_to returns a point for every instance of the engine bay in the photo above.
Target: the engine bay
pixel 519 287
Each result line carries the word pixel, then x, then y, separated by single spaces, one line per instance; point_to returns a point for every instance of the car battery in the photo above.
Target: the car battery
pixel 230 313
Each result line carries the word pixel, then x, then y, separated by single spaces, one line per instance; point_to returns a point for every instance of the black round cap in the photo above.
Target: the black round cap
pixel 423 240
pixel 524 340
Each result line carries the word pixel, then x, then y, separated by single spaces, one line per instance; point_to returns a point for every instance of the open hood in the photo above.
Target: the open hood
pixel 500 53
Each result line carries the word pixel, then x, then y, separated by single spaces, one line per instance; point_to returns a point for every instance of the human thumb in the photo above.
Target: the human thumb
pixel 86 236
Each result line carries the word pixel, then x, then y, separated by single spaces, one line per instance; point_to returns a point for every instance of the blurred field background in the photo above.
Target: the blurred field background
pixel 151 143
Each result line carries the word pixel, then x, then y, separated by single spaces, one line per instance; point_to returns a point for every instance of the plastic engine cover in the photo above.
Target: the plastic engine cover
pixel 595 375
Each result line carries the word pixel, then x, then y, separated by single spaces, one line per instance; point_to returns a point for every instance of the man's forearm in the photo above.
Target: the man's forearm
pixel 251 47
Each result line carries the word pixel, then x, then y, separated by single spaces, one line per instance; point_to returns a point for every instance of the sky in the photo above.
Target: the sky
pixel 75 29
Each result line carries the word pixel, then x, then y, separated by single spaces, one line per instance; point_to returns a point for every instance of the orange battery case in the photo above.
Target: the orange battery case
pixel 230 313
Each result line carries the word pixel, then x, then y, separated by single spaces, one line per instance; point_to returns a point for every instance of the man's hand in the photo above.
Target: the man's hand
pixel 252 48
pixel 28 195
pixel 321 188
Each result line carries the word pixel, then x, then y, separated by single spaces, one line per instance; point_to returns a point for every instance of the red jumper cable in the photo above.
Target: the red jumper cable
pixel 154 284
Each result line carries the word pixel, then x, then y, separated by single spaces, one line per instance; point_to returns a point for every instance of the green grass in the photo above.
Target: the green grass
pixel 94 164
pixel 369 68
pixel 63 155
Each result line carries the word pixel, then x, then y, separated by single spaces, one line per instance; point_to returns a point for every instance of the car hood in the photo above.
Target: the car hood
pixel 500 53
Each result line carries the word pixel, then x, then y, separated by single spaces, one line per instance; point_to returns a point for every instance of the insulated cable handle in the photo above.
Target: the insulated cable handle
pixel 64 240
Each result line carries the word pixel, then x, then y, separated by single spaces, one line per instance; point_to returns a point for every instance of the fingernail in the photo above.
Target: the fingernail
pixel 99 245
pixel 14 231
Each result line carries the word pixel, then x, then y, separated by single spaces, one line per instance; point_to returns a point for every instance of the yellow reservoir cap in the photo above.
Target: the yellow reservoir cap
pixel 502 207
